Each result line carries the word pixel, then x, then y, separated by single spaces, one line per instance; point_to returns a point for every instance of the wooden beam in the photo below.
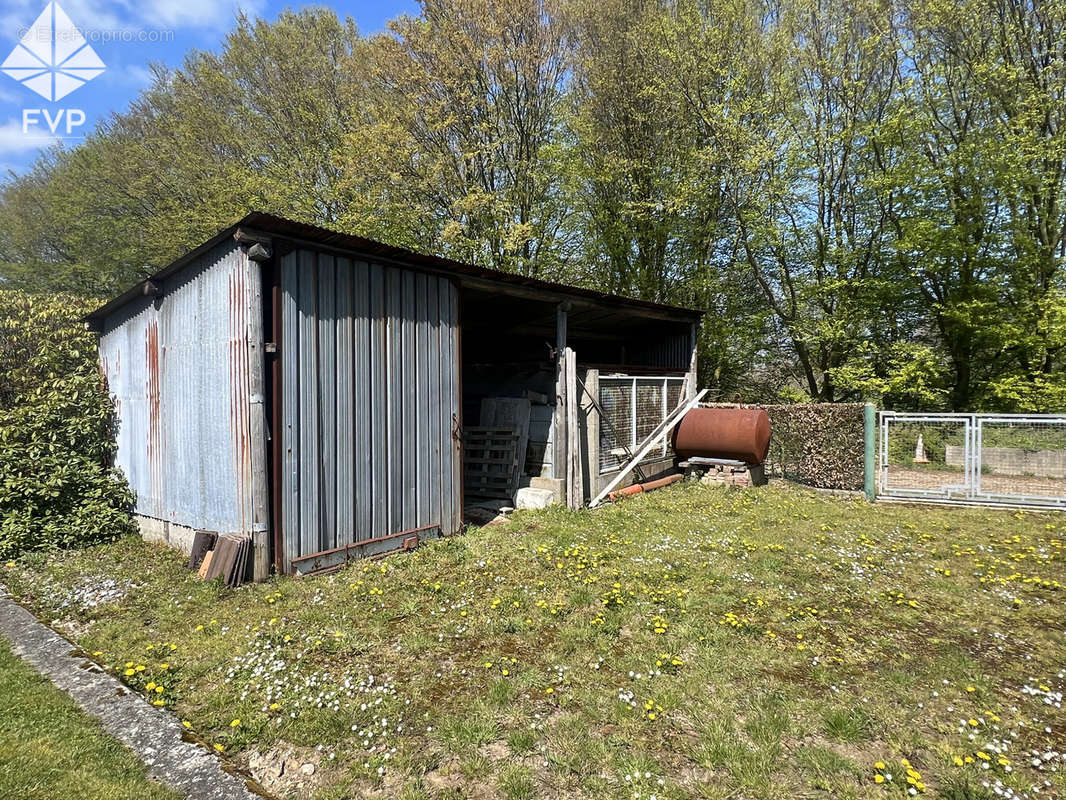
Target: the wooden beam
pixel 575 492
pixel 559 431
pixel 257 422
pixel 691 377
pixel 591 417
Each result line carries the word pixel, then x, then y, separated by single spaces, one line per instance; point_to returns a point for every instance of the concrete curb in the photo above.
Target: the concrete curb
pixel 154 735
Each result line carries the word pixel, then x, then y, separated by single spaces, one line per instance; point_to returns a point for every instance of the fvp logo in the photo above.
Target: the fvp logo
pixel 53 58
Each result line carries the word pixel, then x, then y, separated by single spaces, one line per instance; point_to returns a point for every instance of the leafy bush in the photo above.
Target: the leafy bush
pixel 57 488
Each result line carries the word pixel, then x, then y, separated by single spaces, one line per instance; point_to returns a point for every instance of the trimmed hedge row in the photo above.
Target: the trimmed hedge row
pixel 817 444
pixel 57 488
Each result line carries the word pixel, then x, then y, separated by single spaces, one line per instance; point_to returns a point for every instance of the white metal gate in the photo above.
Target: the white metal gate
pixel 998 459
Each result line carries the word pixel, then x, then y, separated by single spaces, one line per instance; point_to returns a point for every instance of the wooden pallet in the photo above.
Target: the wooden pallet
pixel 490 462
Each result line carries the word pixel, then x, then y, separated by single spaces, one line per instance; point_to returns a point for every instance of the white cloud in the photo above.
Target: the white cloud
pixel 88 15
pixel 136 76
pixel 14 142
pixel 191 13
pixel 106 17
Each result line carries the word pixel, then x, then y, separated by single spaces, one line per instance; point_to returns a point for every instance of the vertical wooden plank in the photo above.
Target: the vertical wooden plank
pixel 559 461
pixel 308 407
pixel 591 460
pixel 290 431
pixel 257 419
pixel 346 443
pixel 363 436
pixel 575 492
pixel 409 435
pixel 691 377
pixel 378 483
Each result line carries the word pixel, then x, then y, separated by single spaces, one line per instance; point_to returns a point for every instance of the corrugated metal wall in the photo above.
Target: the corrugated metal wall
pixel 370 394
pixel 177 367
pixel 672 351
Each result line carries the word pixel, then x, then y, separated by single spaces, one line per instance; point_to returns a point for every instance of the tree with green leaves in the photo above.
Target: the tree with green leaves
pixel 462 129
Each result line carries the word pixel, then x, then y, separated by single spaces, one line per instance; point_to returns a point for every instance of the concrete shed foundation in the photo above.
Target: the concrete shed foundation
pixel 179 537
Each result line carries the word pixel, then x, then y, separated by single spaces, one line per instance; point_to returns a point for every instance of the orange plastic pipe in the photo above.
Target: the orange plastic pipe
pixel 637 488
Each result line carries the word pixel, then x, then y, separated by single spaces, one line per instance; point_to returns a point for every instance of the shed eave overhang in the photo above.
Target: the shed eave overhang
pixel 281 229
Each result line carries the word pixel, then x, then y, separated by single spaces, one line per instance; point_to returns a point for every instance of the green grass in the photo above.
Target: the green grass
pixel 689 643
pixel 49 748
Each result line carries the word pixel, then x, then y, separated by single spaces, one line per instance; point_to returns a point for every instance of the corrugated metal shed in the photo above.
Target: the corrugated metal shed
pixel 370 399
pixel 362 382
pixel 178 371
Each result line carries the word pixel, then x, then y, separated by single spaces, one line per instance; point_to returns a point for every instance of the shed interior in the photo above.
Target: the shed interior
pixel 508 345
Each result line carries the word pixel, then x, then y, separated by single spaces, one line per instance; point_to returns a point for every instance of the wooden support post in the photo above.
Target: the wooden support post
pixel 575 493
pixel 591 417
pixel 559 430
pixel 257 424
pixel 691 377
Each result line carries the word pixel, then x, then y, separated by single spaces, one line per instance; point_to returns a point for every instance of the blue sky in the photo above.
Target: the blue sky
pixel 128 36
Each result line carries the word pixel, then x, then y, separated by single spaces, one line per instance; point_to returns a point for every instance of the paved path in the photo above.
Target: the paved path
pixel 153 734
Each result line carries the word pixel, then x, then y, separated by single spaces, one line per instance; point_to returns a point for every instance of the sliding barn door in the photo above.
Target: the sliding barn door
pixel 370 408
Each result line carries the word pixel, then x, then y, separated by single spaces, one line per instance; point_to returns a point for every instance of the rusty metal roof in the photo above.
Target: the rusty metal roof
pixel 286 229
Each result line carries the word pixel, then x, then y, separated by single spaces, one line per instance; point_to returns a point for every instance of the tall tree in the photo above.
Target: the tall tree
pixel 464 105
pixel 982 223
pixel 259 125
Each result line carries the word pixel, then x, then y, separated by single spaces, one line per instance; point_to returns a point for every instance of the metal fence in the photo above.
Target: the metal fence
pixel 633 407
pixel 1007 459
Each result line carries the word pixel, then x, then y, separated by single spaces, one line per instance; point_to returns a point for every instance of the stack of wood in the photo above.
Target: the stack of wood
pixel 228 557
pixel 490 468
pixel 495 451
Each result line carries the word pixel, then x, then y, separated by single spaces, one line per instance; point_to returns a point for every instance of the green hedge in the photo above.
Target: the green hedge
pixel 817 444
pixel 56 430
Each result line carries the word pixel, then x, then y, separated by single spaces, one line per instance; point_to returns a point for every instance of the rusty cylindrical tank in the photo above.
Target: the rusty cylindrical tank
pixel 741 434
